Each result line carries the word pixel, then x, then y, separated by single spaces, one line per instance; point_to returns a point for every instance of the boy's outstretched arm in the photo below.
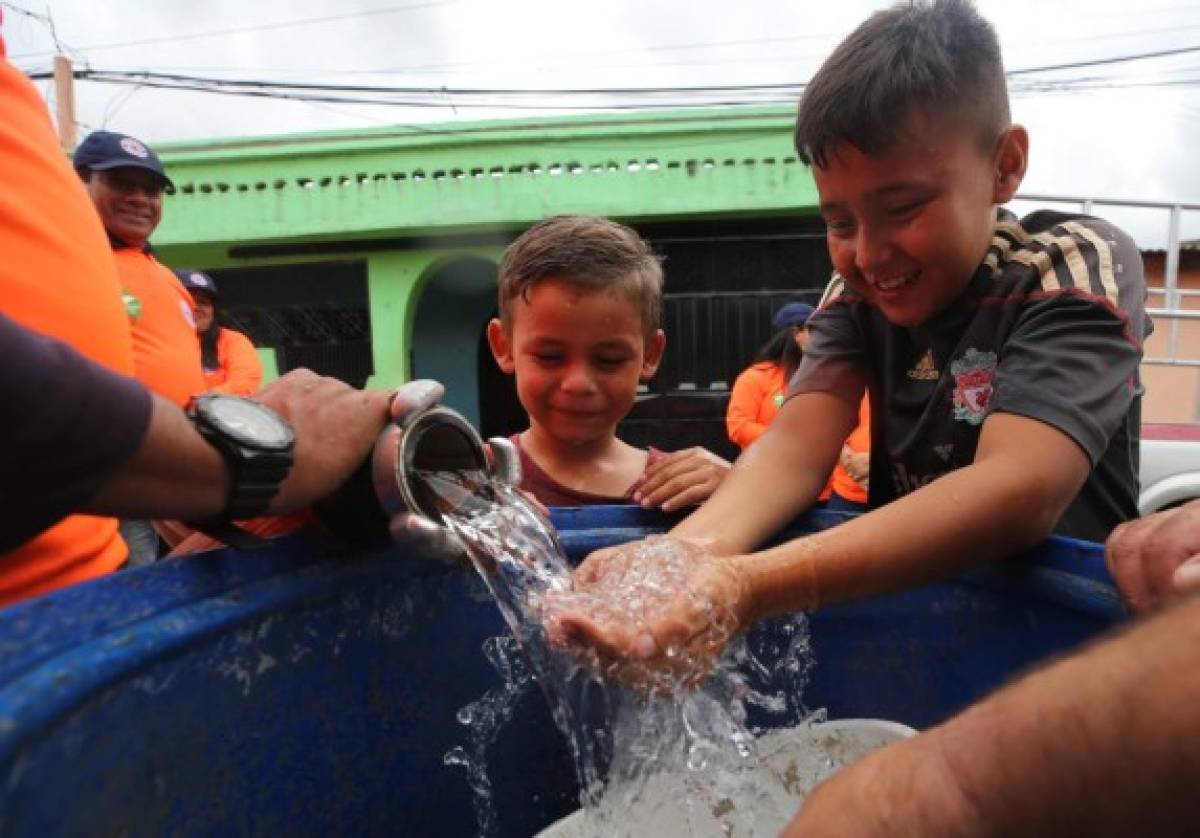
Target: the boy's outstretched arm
pixel 1024 476
pixel 778 476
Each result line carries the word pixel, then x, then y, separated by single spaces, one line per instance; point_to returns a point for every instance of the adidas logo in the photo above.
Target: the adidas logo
pixel 925 369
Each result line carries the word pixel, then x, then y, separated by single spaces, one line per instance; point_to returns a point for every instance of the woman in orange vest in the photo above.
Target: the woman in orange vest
pixel 761 390
pixel 230 362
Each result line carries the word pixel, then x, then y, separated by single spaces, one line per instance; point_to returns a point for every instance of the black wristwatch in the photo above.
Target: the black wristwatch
pixel 255 441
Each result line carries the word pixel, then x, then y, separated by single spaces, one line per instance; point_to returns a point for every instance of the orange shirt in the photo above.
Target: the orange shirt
pixel 166 350
pixel 56 277
pixel 187 541
pixel 858 442
pixel 757 395
pixel 240 372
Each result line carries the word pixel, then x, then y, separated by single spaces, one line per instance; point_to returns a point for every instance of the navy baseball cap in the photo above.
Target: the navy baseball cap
pixel 792 314
pixel 102 150
pixel 197 281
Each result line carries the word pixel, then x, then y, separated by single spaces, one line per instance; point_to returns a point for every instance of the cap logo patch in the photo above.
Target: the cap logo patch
pixel 200 280
pixel 134 148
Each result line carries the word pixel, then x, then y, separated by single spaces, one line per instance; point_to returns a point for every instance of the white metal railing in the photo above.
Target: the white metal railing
pixel 1172 296
pixel 1172 312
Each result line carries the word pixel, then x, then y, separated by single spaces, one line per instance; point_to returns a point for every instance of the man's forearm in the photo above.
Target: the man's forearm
pixel 1103 743
pixel 174 474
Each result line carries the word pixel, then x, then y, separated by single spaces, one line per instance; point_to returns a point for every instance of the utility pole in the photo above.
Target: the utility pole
pixel 64 100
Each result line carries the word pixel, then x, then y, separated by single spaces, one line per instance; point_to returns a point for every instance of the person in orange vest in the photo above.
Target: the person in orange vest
pixel 83 437
pixel 849 485
pixel 761 389
pixel 230 362
pixel 57 279
pixel 125 180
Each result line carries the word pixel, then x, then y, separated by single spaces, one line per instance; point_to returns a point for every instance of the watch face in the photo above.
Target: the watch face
pixel 249 422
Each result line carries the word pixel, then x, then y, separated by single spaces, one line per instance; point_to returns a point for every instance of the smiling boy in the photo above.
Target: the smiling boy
pixel 1001 355
pixel 580 300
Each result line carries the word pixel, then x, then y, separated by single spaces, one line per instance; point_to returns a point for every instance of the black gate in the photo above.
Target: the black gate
pixel 313 315
pixel 724 280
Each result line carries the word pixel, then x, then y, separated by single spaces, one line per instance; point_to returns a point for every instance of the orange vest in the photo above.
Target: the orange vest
pixel 758 393
pixel 166 350
pixel 858 442
pixel 56 277
pixel 241 370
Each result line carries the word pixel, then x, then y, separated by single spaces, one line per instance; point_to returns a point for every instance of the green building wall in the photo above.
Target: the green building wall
pixel 429 208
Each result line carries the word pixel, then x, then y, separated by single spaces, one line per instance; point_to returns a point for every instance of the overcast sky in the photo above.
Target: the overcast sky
pixel 1133 134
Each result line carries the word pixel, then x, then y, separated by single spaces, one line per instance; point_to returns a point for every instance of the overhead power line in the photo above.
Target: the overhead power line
pixel 1096 62
pixel 1026 81
pixel 444 97
pixel 228 84
pixel 260 27
pixel 614 99
pixel 13 7
pixel 121 76
pixel 46 20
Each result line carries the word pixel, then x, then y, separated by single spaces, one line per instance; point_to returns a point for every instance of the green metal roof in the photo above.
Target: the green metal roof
pixel 420 180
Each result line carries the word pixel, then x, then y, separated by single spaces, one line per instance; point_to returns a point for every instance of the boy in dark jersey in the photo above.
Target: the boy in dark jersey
pixel 1001 355
pixel 580 300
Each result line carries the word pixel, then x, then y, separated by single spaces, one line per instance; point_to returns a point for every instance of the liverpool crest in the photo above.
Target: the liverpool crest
pixel 973 374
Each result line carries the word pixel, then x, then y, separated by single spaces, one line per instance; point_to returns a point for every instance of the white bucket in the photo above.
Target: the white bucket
pixel 802 756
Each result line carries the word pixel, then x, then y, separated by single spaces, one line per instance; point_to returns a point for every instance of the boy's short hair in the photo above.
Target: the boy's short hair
pixel 595 254
pixel 940 56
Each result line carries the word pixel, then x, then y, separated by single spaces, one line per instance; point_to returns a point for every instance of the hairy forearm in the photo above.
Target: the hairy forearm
pixel 174 474
pixel 1103 743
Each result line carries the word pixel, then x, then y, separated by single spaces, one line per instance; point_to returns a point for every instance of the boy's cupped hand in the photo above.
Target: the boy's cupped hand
pixel 683 478
pixel 656 613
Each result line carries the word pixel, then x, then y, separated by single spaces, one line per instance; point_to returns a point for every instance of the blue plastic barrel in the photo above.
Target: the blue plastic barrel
pixel 304 690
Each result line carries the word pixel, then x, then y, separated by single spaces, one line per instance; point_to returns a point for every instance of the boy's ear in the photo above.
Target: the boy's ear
pixel 653 356
pixel 1012 158
pixel 501 346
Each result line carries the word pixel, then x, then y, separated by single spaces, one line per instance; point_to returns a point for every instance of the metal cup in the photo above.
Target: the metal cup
pixel 436 439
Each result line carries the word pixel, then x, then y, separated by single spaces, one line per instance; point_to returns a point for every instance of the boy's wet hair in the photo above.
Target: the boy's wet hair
pixel 594 254
pixel 941 57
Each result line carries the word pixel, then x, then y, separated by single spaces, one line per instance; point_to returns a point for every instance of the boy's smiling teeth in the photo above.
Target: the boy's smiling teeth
pixel 893 283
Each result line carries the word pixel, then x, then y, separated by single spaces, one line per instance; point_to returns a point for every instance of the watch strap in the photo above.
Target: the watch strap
pixel 254 482
pixel 229 533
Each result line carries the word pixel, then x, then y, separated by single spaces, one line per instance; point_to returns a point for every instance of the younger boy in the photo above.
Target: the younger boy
pixel 580 301
pixel 1001 355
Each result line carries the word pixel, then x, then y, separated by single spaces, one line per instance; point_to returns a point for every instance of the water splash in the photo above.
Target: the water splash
pixel 483 719
pixel 668 754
